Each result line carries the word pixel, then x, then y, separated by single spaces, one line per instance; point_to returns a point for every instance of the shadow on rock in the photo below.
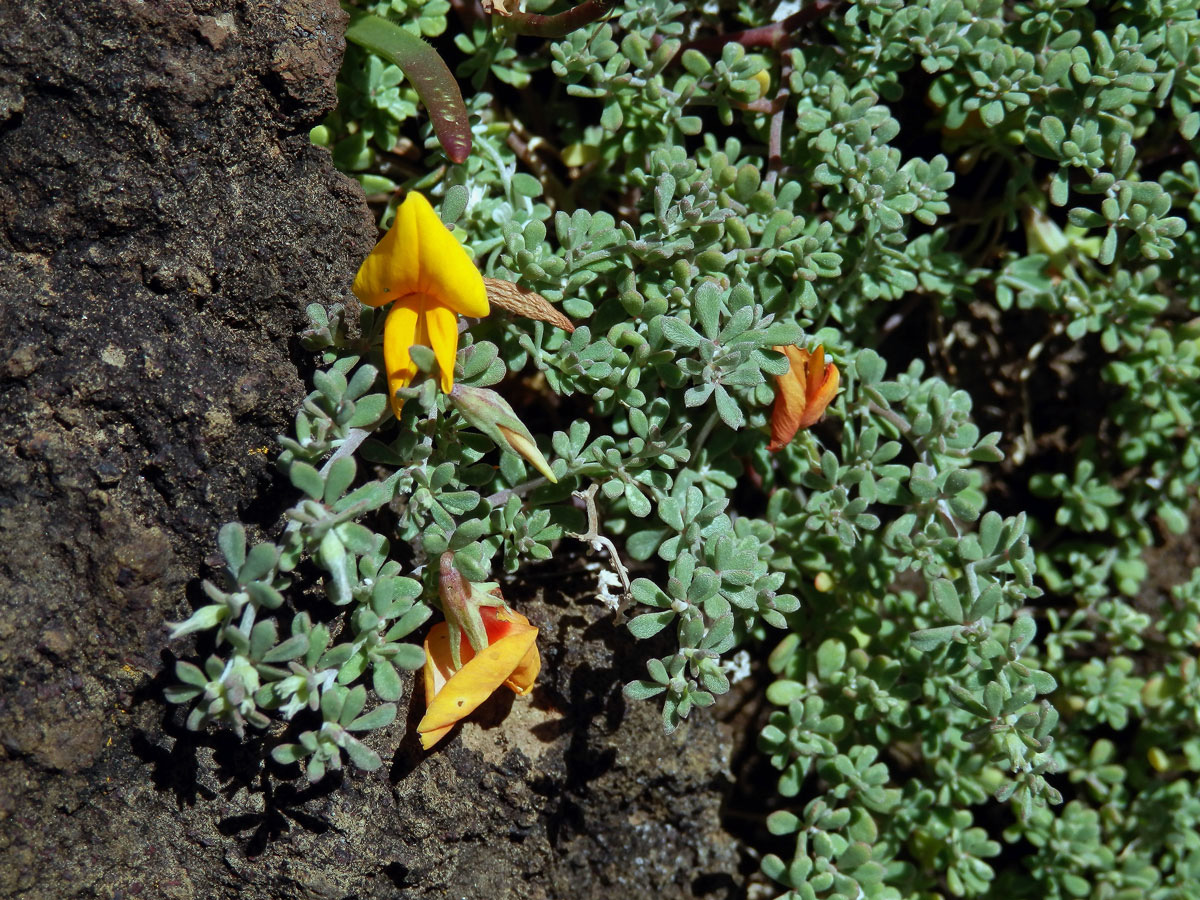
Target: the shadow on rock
pixel 281 806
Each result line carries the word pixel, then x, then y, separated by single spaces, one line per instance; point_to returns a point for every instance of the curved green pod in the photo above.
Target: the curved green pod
pixel 428 74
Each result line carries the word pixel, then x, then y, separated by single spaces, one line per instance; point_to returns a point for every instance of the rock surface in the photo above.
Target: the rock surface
pixel 163 223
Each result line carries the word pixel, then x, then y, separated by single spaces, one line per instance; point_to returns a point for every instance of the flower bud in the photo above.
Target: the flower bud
pixel 491 414
pixel 801 395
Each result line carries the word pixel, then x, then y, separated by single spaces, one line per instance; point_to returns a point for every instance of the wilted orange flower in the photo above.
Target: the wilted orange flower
pixel 424 272
pixel 802 394
pixel 510 658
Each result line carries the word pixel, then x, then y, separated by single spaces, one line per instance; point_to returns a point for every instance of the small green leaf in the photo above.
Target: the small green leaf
pixel 931 638
pixel 870 367
pixel 783 822
pixel 679 332
pixel 831 658
pixel 379 717
pixel 307 479
pixel 294 647
pixel 946 597
pixel 286 754
pixel 643 690
pixel 386 681
pixel 338 478
pixel 259 563
pixel 232 541
pixel 650 624
pixel 366 759
pixel 409 657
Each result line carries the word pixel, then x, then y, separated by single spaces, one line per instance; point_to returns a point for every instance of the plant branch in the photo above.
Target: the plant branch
pixel 560 25
pixel 775 139
pixel 354 438
pixel 519 490
pixel 594 537
pixel 772 37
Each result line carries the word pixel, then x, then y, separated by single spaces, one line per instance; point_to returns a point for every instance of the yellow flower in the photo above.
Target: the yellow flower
pixel 802 394
pixel 424 272
pixel 510 658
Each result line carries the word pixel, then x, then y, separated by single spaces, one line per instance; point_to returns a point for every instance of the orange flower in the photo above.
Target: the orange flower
pixel 424 272
pixel 510 658
pixel 802 395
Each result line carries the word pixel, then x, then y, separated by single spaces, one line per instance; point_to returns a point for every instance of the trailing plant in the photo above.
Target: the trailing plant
pixel 865 344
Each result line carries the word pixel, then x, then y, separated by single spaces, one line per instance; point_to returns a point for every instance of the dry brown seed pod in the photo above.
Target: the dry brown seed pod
pixel 523 302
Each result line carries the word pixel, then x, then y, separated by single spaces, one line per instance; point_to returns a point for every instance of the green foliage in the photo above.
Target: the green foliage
pixel 252 671
pixel 963 701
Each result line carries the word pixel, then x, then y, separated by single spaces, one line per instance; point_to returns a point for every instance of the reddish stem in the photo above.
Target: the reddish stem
pixel 773 36
pixel 562 24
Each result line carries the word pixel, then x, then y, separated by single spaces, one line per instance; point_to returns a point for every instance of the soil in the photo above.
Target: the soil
pixel 164 221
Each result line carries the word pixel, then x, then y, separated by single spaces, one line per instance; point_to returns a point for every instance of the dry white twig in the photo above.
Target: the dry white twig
pixel 600 542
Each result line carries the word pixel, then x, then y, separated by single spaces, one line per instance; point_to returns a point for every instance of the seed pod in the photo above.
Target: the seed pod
pixel 530 304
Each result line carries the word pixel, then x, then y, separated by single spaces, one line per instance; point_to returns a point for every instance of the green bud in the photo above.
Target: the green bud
pixel 1043 234
pixel 490 413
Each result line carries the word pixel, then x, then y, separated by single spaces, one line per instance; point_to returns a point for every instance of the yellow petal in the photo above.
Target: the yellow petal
pixel 790 399
pixel 797 357
pixel 433 735
pixel 802 394
pixel 392 269
pixel 822 395
pixel 476 680
pixel 442 327
pixel 437 672
pixel 446 271
pixel 400 331
pixel 420 255
pixel 438 668
pixel 814 371
pixel 526 672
